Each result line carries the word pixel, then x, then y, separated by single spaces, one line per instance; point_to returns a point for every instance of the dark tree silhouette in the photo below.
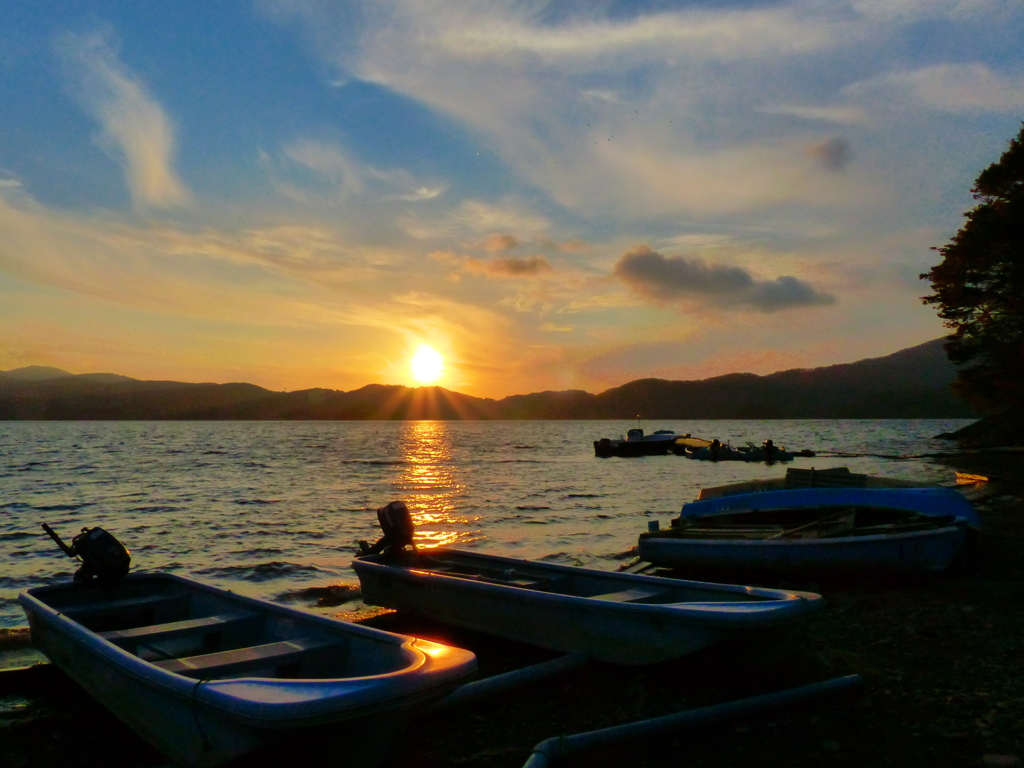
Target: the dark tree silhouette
pixel 979 287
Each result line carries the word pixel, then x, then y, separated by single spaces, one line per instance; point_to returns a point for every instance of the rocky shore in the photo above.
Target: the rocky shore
pixel 942 662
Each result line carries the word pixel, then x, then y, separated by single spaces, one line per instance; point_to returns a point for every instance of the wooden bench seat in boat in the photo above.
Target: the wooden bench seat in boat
pixel 241 660
pixel 124 605
pixel 508 579
pixel 836 477
pixel 631 595
pixel 174 630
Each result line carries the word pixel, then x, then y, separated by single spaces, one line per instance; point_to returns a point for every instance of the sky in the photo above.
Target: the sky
pixel 549 195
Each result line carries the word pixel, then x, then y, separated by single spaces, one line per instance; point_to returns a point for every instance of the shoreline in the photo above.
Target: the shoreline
pixel 938 657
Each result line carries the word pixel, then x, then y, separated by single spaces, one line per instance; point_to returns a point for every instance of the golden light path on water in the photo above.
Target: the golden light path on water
pixel 431 482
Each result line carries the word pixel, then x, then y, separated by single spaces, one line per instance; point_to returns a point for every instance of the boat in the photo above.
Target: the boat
pixel 637 443
pixel 817 530
pixel 615 617
pixel 686 444
pixel 768 452
pixel 830 477
pixel 207 675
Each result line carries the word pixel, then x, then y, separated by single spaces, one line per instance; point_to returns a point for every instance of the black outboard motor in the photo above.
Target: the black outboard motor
pixel 103 557
pixel 396 523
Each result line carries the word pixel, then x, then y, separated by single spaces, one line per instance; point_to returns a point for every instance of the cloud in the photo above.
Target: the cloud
pixel 602 113
pixel 332 170
pixel 833 154
pixel 841 114
pixel 135 127
pixel 501 268
pixel 916 10
pixel 496 243
pixel 511 267
pixel 951 88
pixel 474 219
pixel 328 162
pixel 418 194
pixel 671 280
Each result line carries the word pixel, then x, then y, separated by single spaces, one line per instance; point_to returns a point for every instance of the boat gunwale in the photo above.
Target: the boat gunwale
pixel 671 535
pixel 952 503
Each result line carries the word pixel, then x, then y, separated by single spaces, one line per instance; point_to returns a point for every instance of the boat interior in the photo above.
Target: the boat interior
pixel 817 523
pixel 201 635
pixel 609 587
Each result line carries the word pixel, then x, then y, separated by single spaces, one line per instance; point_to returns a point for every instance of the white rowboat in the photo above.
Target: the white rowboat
pixel 207 676
pixel 615 617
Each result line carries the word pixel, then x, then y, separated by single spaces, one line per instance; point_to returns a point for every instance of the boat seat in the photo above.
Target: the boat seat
pixel 176 629
pixel 511 579
pixel 636 594
pixel 836 477
pixel 124 605
pixel 248 659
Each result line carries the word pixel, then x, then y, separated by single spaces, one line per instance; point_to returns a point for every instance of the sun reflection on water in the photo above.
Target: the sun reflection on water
pixel 431 484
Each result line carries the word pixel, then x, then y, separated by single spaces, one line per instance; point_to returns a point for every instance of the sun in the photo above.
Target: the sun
pixel 426 365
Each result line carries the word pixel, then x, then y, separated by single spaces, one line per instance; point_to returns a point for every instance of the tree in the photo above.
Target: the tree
pixel 979 287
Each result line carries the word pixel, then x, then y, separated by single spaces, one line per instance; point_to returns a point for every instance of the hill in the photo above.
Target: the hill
pixel 912 383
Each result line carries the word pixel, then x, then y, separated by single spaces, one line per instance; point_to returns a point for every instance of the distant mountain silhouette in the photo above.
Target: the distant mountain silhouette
pixel 912 383
pixel 46 373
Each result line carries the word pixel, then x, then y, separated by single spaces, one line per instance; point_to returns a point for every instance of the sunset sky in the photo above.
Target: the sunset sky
pixel 548 195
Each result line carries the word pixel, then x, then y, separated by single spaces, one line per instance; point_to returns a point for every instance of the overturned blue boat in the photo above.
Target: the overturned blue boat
pixel 819 530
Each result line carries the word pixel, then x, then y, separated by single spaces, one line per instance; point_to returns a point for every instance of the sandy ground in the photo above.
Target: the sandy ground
pixel 942 662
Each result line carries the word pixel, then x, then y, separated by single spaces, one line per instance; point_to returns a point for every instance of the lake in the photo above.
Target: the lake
pixel 273 508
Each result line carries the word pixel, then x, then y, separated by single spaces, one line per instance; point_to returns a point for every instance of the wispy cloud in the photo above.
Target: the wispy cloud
pixel 917 10
pixel 675 280
pixel 341 176
pixel 498 268
pixel 953 88
pixel 842 114
pixel 135 127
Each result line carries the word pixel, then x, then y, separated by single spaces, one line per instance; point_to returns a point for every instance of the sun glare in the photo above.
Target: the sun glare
pixel 427 365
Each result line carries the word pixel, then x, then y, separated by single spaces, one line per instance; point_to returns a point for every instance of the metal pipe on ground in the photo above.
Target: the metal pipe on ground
pixel 556 747
pixel 489 686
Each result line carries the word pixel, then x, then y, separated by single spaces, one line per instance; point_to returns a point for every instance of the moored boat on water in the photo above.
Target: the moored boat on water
pixel 207 676
pixel 817 530
pixel 637 443
pixel 768 452
pixel 616 617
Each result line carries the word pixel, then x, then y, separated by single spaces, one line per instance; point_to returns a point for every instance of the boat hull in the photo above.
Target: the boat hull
pixel 606 448
pixel 915 551
pixel 200 721
pixel 613 617
pixel 939 520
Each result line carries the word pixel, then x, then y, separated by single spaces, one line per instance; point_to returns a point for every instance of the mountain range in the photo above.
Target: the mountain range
pixel 911 383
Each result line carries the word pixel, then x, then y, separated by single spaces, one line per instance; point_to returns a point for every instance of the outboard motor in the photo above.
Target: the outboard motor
pixel 103 557
pixel 396 523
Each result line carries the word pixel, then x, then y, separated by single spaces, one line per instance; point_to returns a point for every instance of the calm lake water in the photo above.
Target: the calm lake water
pixel 273 508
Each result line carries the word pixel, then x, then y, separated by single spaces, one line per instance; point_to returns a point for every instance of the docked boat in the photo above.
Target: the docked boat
pixel 637 443
pixel 830 477
pixel 206 675
pixel 620 618
pixel 686 444
pixel 768 452
pixel 818 530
